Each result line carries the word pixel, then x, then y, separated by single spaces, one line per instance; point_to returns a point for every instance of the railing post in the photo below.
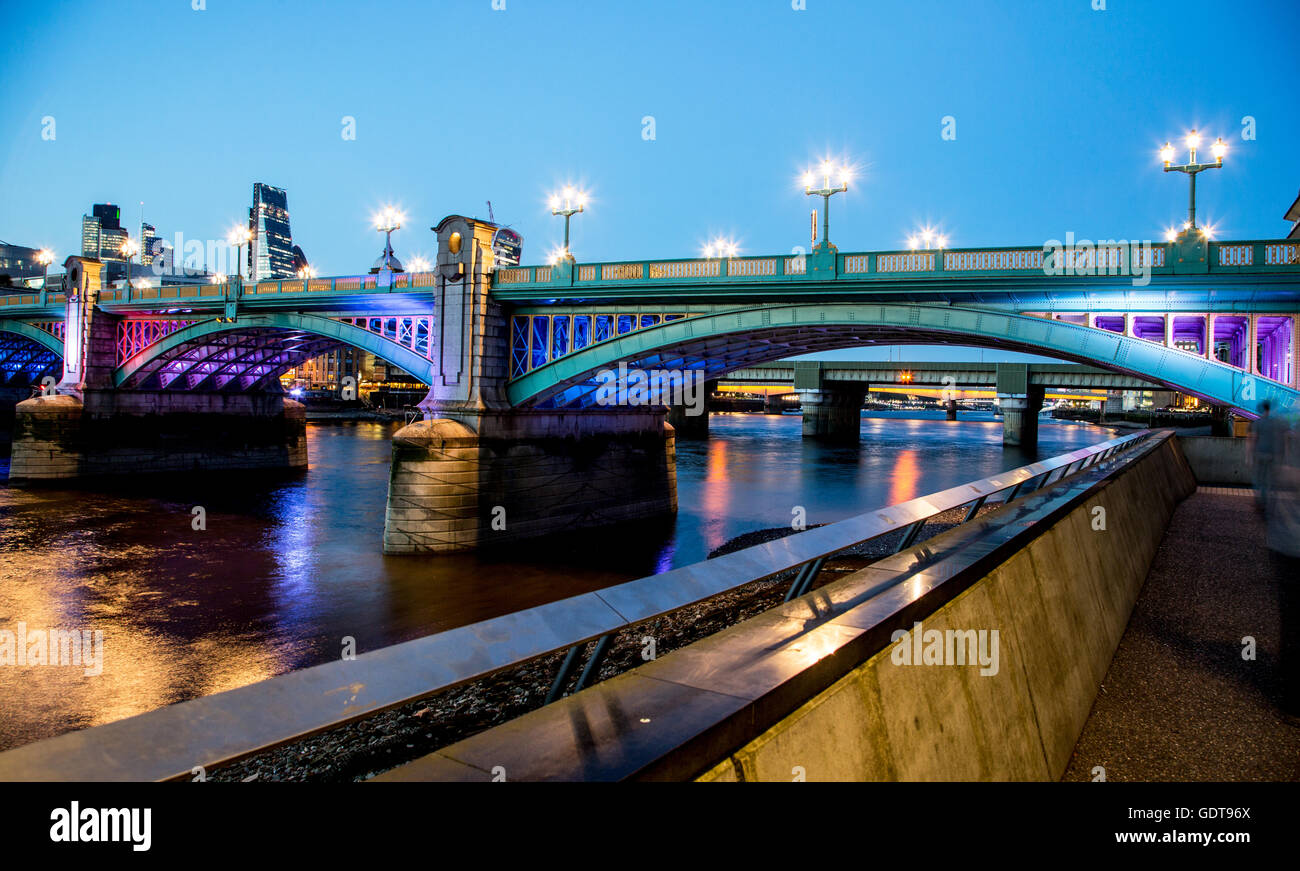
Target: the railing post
pixel 974 508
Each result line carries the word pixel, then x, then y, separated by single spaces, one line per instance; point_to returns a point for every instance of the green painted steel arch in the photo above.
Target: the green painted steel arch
pixel 36 334
pixel 1179 370
pixel 390 352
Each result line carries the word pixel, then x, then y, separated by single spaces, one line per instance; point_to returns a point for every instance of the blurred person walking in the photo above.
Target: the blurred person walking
pixel 1282 517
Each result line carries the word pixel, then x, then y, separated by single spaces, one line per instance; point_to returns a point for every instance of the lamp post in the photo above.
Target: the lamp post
pixel 926 239
pixel 128 249
pixel 239 237
pixel 386 222
pixel 572 203
pixel 44 257
pixel 1192 168
pixel 826 191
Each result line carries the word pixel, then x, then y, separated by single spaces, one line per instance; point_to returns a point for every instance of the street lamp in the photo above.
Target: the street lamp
pixel 44 257
pixel 826 191
pixel 419 264
pixel 926 239
pixel 129 248
pixel 239 237
pixel 307 271
pixel 720 248
pixel 572 203
pixel 386 221
pixel 1192 168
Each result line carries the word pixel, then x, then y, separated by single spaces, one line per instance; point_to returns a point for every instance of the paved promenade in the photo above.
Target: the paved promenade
pixel 1179 702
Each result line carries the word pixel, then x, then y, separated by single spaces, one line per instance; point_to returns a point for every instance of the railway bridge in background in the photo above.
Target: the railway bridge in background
pixel 516 420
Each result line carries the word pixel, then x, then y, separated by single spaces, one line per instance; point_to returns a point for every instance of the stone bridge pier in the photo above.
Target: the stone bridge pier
pixel 477 473
pixel 88 428
pixel 1020 403
pixel 832 410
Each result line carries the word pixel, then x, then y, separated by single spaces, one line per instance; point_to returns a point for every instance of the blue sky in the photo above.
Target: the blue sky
pixel 1058 107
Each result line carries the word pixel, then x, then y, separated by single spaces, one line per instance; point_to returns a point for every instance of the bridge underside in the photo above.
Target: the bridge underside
pixel 717 356
pixel 239 360
pixel 720 342
pixel 24 362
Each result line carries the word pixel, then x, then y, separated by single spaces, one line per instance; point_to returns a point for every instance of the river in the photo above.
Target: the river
pixel 289 565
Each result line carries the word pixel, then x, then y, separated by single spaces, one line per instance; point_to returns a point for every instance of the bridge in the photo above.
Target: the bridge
pixel 521 436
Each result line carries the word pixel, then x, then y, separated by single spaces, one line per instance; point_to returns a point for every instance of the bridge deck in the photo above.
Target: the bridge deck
pixel 1179 703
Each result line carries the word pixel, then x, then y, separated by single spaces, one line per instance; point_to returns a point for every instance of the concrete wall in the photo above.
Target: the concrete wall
pixel 1060 604
pixel 526 474
pixel 1217 460
pixel 130 433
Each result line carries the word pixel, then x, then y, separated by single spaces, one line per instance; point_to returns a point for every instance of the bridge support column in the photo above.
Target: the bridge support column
pixel 90 429
pixel 477 473
pixel 693 423
pixel 1020 417
pixel 833 412
pixel 518 475
pixel 950 409
pixel 106 433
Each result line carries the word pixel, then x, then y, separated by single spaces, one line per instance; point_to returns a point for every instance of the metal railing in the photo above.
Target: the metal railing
pixel 171 742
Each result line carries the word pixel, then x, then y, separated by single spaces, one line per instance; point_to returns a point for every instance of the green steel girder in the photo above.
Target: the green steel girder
pixel 36 334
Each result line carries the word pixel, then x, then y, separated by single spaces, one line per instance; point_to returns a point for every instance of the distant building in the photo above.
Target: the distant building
pixel 18 262
pixel 270 251
pixel 1293 214
pixel 150 244
pixel 102 233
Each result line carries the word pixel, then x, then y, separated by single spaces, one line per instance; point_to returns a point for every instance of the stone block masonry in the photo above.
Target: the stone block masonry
pixel 526 474
pixel 108 433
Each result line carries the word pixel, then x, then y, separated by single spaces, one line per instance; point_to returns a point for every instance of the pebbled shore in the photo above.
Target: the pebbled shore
pixel 363 749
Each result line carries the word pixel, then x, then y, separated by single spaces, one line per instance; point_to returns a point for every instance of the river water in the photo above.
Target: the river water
pixel 289 565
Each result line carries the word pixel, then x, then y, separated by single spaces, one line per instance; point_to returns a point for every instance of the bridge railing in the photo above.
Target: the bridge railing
pixel 1102 258
pixel 212 292
pixel 172 742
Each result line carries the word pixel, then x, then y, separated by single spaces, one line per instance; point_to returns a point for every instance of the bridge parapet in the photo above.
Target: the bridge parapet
pixel 1086 260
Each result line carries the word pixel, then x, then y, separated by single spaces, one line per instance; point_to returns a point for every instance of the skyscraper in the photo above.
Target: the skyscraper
pixel 148 241
pixel 270 251
pixel 102 233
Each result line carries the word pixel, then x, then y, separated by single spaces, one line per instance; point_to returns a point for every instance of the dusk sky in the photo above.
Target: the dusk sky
pixel 1059 110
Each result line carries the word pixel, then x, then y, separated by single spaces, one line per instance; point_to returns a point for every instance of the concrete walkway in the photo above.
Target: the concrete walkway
pixel 1179 702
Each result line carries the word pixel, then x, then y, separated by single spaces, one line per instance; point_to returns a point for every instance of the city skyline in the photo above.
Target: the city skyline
pixel 1033 143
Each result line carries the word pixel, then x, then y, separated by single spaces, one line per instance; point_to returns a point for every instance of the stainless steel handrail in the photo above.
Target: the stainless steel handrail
pixel 171 742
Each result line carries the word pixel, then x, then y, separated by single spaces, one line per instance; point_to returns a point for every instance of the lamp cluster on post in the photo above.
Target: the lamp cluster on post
pixel 44 257
pixel 927 238
pixel 826 191
pixel 1191 168
pixel 568 203
pixel 128 249
pixel 240 237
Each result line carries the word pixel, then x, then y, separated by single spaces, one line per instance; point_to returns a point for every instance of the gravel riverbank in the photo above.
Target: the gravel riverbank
pixel 390 738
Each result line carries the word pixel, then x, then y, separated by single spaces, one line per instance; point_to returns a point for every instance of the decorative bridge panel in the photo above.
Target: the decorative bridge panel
pixel 686 269
pixel 747 268
pixel 905 263
pixel 856 263
pixel 1236 255
pixel 58 329
pixel 1282 254
pixel 622 272
pixel 133 336
pixel 536 340
pixel 957 261
pixel 413 332
pixel 520 275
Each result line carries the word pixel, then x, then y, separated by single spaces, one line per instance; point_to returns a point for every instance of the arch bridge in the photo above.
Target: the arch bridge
pixel 532 354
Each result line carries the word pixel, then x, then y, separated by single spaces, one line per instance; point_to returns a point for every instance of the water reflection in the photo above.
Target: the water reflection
pixel 289 564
